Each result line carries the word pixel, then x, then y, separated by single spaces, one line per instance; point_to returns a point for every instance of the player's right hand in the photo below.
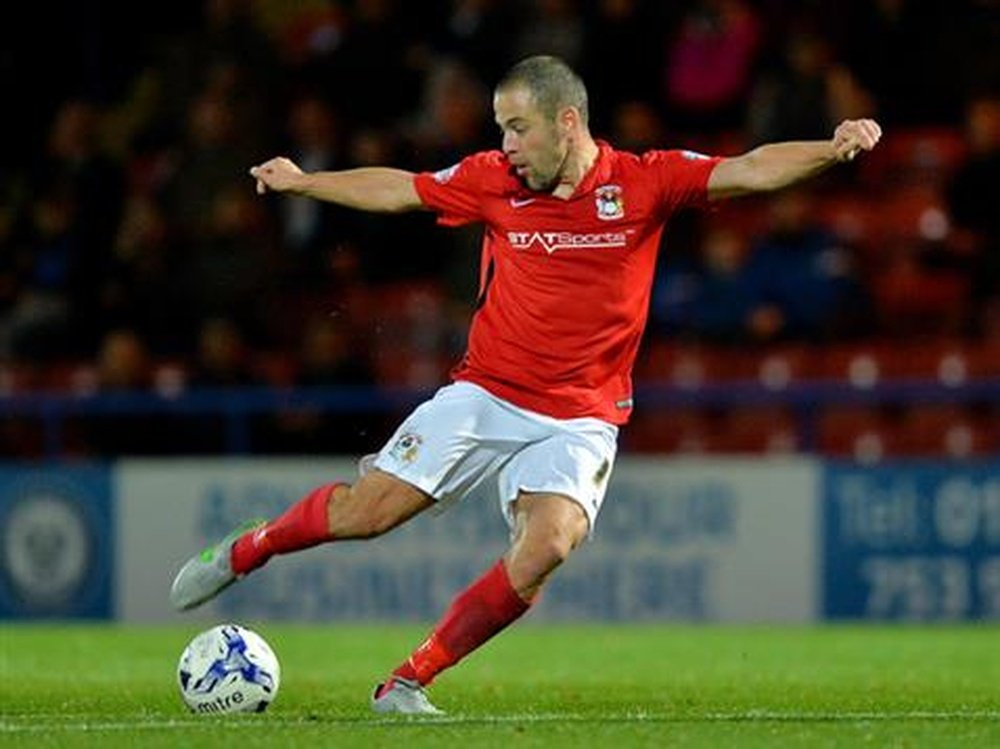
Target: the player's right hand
pixel 278 174
pixel 854 136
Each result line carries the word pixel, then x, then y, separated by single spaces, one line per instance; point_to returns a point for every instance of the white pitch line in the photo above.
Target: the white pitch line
pixel 750 716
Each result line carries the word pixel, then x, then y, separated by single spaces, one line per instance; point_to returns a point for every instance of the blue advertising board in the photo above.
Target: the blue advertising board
pixel 914 541
pixel 56 542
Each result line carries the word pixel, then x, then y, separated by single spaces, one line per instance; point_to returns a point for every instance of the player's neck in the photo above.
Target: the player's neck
pixel 578 163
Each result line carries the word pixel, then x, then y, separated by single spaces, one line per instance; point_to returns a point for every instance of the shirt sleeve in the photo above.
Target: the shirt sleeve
pixel 455 193
pixel 682 177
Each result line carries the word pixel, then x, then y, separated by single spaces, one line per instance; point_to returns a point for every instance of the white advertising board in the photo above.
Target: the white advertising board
pixel 713 540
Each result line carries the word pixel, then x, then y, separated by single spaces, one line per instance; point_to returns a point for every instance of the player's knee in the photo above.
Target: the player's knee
pixel 557 548
pixel 544 554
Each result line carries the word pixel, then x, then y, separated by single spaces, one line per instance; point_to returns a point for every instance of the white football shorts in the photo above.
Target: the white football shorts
pixel 464 435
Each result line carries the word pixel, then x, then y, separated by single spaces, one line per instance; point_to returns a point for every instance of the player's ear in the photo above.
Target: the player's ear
pixel 568 119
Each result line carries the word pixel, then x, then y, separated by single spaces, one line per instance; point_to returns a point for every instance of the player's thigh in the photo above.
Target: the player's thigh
pixel 451 443
pixel 574 462
pixel 375 504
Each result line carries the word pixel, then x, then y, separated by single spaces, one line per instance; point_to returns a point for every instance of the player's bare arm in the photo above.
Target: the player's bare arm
pixel 777 165
pixel 378 189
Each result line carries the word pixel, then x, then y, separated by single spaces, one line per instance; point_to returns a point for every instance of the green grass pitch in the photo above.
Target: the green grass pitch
pixel 537 685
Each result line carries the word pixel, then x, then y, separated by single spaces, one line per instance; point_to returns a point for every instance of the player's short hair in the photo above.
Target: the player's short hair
pixel 552 83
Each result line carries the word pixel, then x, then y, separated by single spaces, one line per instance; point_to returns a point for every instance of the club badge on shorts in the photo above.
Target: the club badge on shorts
pixel 405 449
pixel 610 203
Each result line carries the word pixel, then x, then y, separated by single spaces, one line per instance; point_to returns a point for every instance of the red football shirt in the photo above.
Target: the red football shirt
pixel 565 284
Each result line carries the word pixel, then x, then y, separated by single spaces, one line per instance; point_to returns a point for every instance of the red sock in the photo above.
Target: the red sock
pixel 304 524
pixel 479 612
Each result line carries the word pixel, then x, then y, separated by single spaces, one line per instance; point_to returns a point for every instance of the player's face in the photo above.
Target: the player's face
pixel 534 143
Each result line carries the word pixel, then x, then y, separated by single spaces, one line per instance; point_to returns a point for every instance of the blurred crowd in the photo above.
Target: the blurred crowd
pixel 131 236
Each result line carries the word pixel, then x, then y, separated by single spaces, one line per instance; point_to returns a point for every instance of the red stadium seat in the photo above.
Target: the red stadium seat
pixel 914 212
pixel 19 378
pixel 692 365
pixel 755 430
pixel 925 154
pixel 860 433
pixel 949 431
pixel 410 345
pixel 853 217
pixel 673 430
pixel 274 368
pixel 777 367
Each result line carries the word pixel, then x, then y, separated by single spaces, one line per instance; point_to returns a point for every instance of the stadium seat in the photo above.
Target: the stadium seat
pixel 754 430
pixel 948 431
pixel 859 433
pixel 916 212
pixel 779 366
pixel 410 347
pixel 857 364
pixel 273 368
pixel 914 300
pixel 853 217
pixel 668 430
pixel 18 378
pixel 78 378
pixel 917 154
pixel 692 365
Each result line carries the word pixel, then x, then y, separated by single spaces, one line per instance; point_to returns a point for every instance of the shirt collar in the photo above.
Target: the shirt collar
pixel 598 174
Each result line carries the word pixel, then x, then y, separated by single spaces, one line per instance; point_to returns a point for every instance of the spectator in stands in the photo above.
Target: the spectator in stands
pixel 227 265
pixel 451 119
pixel 717 295
pixel 552 27
pixel 222 361
pixel 907 54
pixel 123 368
pixel 974 207
pixel 327 359
pixel 225 52
pixel 807 274
pixel 805 94
pixel 478 32
pixel 39 258
pixel 379 53
pixel 451 122
pixel 123 363
pixel 205 164
pixel 223 358
pixel 77 175
pixel 709 64
pixel 621 40
pixel 142 287
pixel 636 126
pixel 310 229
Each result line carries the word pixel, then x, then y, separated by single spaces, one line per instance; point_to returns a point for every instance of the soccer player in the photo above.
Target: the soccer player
pixel 572 231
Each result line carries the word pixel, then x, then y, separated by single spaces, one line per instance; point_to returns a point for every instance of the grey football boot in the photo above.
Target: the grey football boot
pixel 402 697
pixel 207 574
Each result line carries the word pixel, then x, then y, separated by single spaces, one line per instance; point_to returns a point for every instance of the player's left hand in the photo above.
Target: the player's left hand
pixel 853 136
pixel 279 174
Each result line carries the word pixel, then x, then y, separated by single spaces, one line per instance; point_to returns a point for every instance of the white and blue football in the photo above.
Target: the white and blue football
pixel 228 669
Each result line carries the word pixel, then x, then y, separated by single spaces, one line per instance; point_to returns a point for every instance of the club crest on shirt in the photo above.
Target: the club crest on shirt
pixel 405 449
pixel 610 203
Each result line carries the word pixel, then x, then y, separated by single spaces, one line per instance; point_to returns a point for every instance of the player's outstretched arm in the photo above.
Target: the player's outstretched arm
pixel 381 189
pixel 778 165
